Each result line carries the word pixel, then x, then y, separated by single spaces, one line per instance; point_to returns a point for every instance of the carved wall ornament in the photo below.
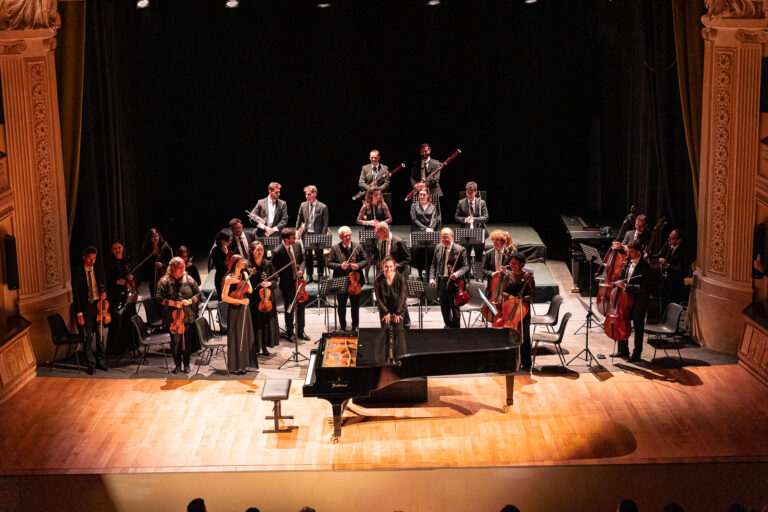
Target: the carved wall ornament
pixel 12 47
pixel 29 14
pixel 38 95
pixel 734 9
pixel 752 36
pixel 708 33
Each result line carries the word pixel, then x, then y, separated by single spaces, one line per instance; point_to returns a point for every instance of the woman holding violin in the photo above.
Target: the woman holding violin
pixel 518 291
pixel 348 259
pixel 235 292
pixel 219 259
pixel 263 280
pixel 180 295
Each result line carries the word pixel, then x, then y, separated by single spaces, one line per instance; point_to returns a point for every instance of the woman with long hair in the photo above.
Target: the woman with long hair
pixel 159 253
pixel 266 329
pixel 235 292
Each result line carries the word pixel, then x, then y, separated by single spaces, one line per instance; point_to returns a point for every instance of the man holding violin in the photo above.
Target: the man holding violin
pixel 290 252
pixel 448 266
pixel 346 259
pixel 179 294
pixel 634 279
pixel 89 293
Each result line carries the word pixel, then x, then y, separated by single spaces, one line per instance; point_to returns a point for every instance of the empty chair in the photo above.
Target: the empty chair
pixel 210 343
pixel 555 338
pixel 60 335
pixel 223 310
pixel 150 340
pixel 474 306
pixel 669 326
pixel 548 320
pixel 153 314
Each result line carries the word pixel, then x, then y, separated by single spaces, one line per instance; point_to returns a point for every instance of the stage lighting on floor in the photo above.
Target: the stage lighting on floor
pixel 433 3
pixel 141 4
pixel 231 4
pixel 529 2
pixel 323 6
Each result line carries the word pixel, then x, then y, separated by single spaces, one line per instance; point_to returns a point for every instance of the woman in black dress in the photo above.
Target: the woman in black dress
pixel 219 261
pixel 266 330
pixel 423 218
pixel 519 283
pixel 235 292
pixel 391 294
pixel 159 252
pixel 373 211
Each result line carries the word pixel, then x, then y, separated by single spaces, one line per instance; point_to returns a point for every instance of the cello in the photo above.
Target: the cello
pixel 514 309
pixel 613 261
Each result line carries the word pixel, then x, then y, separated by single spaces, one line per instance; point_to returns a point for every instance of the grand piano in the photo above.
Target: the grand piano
pixel 343 368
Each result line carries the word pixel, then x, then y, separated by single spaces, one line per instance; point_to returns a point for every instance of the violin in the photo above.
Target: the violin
pixel 301 286
pixel 354 288
pixel 177 325
pixel 103 317
pixel 462 296
pixel 265 296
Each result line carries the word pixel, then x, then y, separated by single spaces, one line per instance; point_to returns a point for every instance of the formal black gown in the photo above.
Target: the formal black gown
pixel 390 299
pixel 241 353
pixel 266 329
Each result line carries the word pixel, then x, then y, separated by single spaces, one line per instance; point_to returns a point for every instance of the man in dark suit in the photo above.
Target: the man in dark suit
pixel 391 245
pixel 290 251
pixel 640 233
pixel 88 287
pixel 272 211
pixel 313 215
pixel 423 168
pixel 241 239
pixel 448 266
pixel 634 278
pixel 472 213
pixel 346 258
pixel 371 172
pixel 675 260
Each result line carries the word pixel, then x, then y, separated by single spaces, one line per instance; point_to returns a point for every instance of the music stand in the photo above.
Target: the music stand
pixel 426 240
pixel 421 291
pixel 296 358
pixel 270 242
pixel 368 238
pixel 317 242
pixel 470 237
pixel 591 255
pixel 332 286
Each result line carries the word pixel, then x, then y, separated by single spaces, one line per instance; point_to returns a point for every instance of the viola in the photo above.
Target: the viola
pixel 461 297
pixel 265 297
pixel 177 325
pixel 103 317
pixel 354 288
pixel 301 286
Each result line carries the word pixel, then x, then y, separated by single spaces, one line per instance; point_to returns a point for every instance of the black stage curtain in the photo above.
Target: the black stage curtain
pixel 192 109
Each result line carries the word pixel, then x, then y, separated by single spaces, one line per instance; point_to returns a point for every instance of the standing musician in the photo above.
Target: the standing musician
pixel 313 217
pixel 265 326
pixel 391 294
pixel 515 280
pixel 161 254
pixel 237 288
pixel 178 292
pixel 371 172
pixel 345 259
pixel 636 271
pixel 220 259
pixel 675 260
pixel 421 169
pixel 423 218
pixel 290 251
pixel 449 265
pixel 241 239
pixel 472 213
pixel 495 259
pixel 121 292
pixel 273 210
pixel 391 245
pixel 183 252
pixel 640 233
pixel 88 287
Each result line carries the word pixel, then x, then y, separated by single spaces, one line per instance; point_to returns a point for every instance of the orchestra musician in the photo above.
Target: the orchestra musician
pixel 88 287
pixel 121 293
pixel 346 258
pixel 219 259
pixel 236 290
pixel 161 254
pixel 634 279
pixel 183 252
pixel 290 251
pixel 371 172
pixel 241 239
pixel 515 281
pixel 391 245
pixel 421 169
pixel 472 213
pixel 391 294
pixel 374 209
pixel 313 216
pixel 640 233
pixel 273 210
pixel 266 329
pixel 177 291
pixel 675 261
pixel 423 218
pixel 448 265
pixel 496 258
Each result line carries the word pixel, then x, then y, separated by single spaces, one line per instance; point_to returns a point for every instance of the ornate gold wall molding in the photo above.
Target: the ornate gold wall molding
pixel 29 14
pixel 735 9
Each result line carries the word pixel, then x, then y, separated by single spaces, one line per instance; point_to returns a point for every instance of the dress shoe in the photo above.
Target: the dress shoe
pixel 89 370
pixel 303 336
pixel 175 370
pixel 291 338
pixel 186 368
pixel 635 357
pixel 102 367
pixel 620 355
pixel 266 353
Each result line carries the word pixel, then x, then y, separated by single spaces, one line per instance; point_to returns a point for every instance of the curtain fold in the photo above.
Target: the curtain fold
pixel 689 48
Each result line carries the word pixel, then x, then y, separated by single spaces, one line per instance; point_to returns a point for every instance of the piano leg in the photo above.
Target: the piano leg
pixel 338 410
pixel 510 378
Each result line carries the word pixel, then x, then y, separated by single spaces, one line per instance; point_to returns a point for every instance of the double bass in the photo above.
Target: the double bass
pixel 618 323
pixel 614 260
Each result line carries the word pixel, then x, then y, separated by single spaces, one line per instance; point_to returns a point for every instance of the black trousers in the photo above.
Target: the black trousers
pixel 95 345
pixel 354 301
pixel 637 314
pixel 446 290
pixel 288 294
pixel 181 345
pixel 309 256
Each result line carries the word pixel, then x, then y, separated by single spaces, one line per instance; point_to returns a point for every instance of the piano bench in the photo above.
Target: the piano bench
pixel 277 390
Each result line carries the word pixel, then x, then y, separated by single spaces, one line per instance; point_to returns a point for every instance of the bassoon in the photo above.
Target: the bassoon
pixel 434 173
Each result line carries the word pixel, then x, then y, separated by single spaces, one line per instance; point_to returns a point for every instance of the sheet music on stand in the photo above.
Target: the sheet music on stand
pixel 316 241
pixel 365 235
pixel 467 236
pixel 332 287
pixel 422 291
pixel 425 238
pixel 269 241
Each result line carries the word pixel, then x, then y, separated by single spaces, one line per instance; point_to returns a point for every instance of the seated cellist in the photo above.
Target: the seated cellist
pixel 519 284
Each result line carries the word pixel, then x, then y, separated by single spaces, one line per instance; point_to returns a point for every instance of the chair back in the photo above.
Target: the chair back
pixel 152 310
pixel 279 300
pixel 223 309
pixel 671 318
pixel 204 333
pixel 473 288
pixel 561 330
pixel 554 308
pixel 59 331
pixel 140 327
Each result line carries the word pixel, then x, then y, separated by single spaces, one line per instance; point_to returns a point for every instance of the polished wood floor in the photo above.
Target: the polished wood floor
pixel 628 416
